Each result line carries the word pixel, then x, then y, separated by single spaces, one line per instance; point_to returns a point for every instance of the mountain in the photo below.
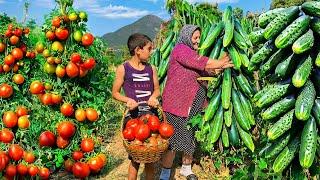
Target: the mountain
pixel 149 25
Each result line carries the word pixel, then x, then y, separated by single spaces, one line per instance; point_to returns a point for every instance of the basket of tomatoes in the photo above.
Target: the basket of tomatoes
pixel 146 138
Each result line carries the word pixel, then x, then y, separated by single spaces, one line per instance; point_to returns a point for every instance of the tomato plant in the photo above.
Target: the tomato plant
pixel 5 90
pixel 80 170
pixel 47 138
pixel 77 155
pixel 15 152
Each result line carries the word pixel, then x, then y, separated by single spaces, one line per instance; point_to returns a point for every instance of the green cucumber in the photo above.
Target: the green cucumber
pixel 246 138
pixel 239 41
pixel 212 36
pixel 235 57
pixel 228 116
pixel 312 8
pixel 264 53
pixel 281 126
pixel 167 41
pixel 277 146
pixel 292 32
pixel 216 126
pixel 226 88
pixel 247 108
pixel 238 111
pixel 272 62
pixel 256 37
pixel 308 145
pixel 228 21
pixel 265 18
pixel 303 43
pixel 316 111
pixel 273 95
pixel 279 108
pixel 216 50
pixel 244 58
pixel 212 106
pixel 286 67
pixel 233 134
pixel 225 137
pixel 305 101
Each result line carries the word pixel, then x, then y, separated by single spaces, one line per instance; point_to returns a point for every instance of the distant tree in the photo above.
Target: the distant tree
pixel 31 24
pixel 286 3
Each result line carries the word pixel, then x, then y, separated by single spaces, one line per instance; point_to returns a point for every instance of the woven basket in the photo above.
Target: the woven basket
pixel 142 153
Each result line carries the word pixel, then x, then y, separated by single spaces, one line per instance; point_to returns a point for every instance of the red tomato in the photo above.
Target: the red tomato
pixel 92 114
pixel 87 145
pixel 82 72
pixel 14 40
pixel 50 35
pixel 95 164
pixel 37 87
pixel 4 160
pixel 8 33
pixel 33 170
pixel 66 129
pixel 68 164
pixel 72 70
pixel 67 109
pixel 15 152
pixel 103 158
pixel 26 31
pixel 87 39
pixel 56 98
pixel 47 138
pixel 77 155
pixel 22 169
pixel 89 63
pixel 133 123
pixel 46 99
pixel 44 173
pixel 60 71
pixel 23 122
pixel 18 79
pixel 29 157
pixel 9 60
pixel 23 48
pixel 56 22
pixel 6 135
pixel 17 53
pixel 5 90
pixel 80 115
pixel 142 132
pixel 2 47
pixel 166 130
pixel 62 34
pixel 11 170
pixel 10 119
pixel 75 58
pixel 21 111
pixel 80 170
pixel 153 123
pixel 62 143
pixel 128 133
pixel 6 68
pixel 18 32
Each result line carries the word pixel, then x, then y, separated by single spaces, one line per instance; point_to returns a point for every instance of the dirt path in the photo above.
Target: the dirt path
pixel 120 168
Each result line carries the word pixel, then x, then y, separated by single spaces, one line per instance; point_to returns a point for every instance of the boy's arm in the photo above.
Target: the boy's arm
pixel 117 84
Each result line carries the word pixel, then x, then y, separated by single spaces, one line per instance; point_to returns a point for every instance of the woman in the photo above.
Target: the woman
pixel 184 96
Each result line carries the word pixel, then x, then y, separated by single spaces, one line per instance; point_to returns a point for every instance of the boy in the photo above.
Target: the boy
pixel 141 87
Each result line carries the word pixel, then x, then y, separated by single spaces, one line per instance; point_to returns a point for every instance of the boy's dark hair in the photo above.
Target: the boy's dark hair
pixel 137 40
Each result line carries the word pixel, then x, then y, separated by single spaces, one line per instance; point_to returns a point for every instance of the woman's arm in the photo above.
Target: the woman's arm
pixel 191 59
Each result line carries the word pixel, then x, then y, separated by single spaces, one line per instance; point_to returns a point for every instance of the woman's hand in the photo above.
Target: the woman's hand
pixel 223 63
pixel 153 102
pixel 132 104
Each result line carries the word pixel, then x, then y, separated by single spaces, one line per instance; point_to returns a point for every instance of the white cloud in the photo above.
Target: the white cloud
pixel 213 1
pixel 110 11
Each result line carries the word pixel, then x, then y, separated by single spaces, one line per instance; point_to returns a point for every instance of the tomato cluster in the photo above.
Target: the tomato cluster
pixel 147 130
pixel 82 169
pixel 14 48
pixel 63 33
pixel 16 154
pixel 11 119
pixel 47 98
pixel 24 163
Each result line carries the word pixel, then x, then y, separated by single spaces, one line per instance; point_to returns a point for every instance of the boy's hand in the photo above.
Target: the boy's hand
pixel 132 104
pixel 153 102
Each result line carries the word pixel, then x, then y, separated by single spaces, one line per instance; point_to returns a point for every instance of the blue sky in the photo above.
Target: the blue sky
pixel 110 15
